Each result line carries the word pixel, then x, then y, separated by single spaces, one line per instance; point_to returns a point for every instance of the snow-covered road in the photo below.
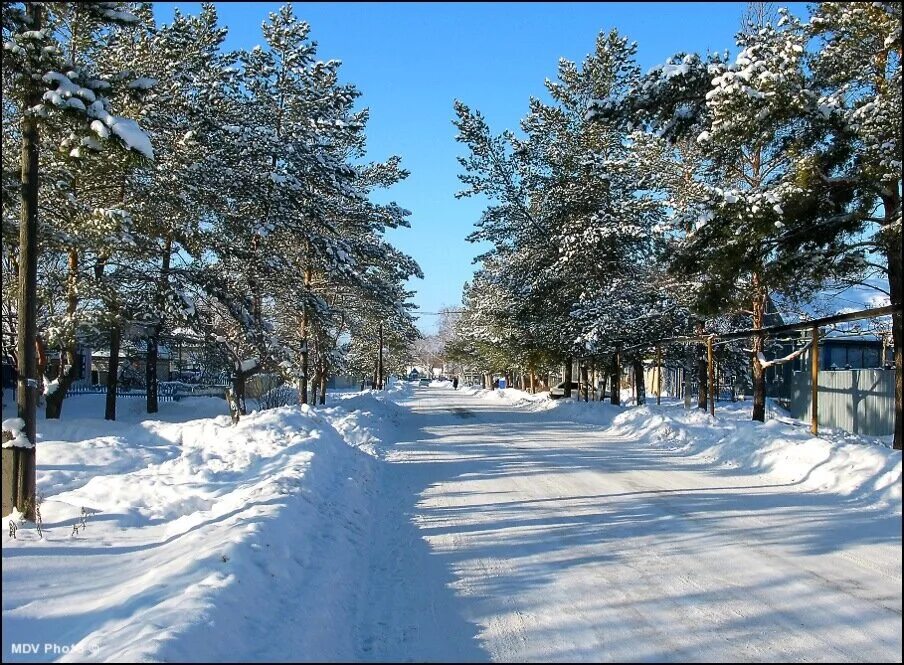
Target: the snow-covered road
pixel 552 540
pixel 426 524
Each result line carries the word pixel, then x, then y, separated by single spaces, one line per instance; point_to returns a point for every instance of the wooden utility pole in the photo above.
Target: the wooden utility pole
pixel 380 361
pixel 711 375
pixel 615 388
pixel 658 374
pixel 814 380
pixel 23 463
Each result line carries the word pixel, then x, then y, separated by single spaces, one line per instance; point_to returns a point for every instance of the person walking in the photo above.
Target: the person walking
pixel 455 382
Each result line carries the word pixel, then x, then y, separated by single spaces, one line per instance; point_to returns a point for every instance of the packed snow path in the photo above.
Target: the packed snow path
pixel 550 540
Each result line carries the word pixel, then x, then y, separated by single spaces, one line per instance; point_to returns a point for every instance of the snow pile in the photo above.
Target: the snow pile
pixel 156 532
pixel 18 439
pixel 511 396
pixel 784 449
pixel 366 419
pixel 835 461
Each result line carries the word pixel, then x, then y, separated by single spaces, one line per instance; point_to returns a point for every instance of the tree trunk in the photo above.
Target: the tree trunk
pixel 891 201
pixel 615 394
pixel 315 383
pixel 303 390
pixel 305 323
pixel 238 391
pixel 585 381
pixel 23 482
pixel 113 371
pixel 759 345
pixel 640 387
pixel 688 360
pixel 323 378
pixel 150 372
pixel 567 374
pixel 66 375
pixel 533 381
pixel 153 350
pixel 594 380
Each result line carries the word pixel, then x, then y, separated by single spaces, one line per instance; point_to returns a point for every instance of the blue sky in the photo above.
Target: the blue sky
pixel 411 60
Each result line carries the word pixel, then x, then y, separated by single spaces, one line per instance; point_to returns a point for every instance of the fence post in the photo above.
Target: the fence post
pixel 711 375
pixel 814 380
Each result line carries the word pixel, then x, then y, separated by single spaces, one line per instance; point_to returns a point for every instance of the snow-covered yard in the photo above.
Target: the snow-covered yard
pixel 433 524
pixel 158 533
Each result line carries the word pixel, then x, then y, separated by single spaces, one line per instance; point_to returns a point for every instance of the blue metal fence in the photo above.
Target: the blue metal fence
pixel 165 393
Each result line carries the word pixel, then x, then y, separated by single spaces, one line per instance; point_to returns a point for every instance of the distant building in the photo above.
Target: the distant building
pixel 132 364
pixel 864 344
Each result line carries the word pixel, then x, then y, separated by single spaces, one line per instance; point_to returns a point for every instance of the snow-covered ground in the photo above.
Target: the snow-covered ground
pixel 192 528
pixel 431 524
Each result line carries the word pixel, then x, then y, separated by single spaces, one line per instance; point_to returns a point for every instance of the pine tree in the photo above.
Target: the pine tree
pixel 46 89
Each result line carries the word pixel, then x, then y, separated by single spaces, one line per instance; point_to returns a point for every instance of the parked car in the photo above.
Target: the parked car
pixel 558 390
pixel 424 382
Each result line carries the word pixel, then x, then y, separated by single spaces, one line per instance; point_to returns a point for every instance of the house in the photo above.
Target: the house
pixel 861 344
pixel 853 345
pixel 132 364
pixel 856 378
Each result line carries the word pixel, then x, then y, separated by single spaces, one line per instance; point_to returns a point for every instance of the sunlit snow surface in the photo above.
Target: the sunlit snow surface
pixel 432 524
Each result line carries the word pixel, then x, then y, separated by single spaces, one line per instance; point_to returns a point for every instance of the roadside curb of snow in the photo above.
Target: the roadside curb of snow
pixel 853 467
pixel 255 521
pixel 315 556
pixel 867 471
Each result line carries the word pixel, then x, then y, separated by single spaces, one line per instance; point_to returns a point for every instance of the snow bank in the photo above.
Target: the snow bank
pixel 158 532
pixel 834 462
pixel 511 396
pixel 837 462
pixel 366 419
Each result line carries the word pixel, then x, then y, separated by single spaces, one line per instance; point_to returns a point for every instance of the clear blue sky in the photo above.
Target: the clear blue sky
pixel 411 60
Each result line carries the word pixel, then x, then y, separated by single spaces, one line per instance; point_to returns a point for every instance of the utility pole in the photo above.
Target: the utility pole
pixel 711 378
pixel 814 380
pixel 380 361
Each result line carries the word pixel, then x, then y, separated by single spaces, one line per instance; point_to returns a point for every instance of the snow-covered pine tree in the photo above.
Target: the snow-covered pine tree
pixel 742 200
pixel 856 72
pixel 47 87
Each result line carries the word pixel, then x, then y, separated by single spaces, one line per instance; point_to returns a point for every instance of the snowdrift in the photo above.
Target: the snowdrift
pixel 849 465
pixel 161 538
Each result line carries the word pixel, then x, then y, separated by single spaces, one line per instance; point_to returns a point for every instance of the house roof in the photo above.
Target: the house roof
pixel 841 299
pixel 136 347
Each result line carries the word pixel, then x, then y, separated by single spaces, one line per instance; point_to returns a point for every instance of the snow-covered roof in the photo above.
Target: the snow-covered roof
pixel 163 352
pixel 842 299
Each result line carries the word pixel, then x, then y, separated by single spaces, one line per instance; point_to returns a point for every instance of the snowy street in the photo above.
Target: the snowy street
pixel 565 543
pixel 427 524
